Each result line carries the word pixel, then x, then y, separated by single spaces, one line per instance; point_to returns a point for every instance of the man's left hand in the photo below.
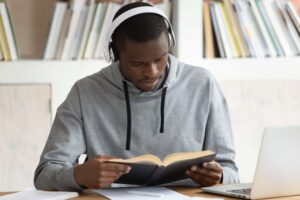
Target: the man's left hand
pixel 210 173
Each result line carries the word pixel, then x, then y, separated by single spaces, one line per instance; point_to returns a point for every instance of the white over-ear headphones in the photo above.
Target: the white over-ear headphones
pixel 108 51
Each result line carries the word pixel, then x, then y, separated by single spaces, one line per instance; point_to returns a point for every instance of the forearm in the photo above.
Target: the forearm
pixel 56 177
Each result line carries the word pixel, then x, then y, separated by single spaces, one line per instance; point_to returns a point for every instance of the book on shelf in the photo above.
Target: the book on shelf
pixel 236 29
pixel 269 46
pixel 53 37
pixel 217 32
pixel 291 10
pixel 76 6
pixel 95 29
pixel 4 42
pixel 281 6
pixel 1 54
pixel 150 170
pixel 209 51
pixel 30 20
pixel 270 29
pixel 8 31
pixel 254 28
pixel 79 32
pixel 280 28
pixel 82 35
pixel 92 6
pixel 63 33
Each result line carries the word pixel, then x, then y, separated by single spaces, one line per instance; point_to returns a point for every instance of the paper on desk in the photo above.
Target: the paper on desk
pixel 32 194
pixel 124 193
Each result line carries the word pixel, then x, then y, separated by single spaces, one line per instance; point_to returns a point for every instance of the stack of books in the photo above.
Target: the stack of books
pixel 78 28
pixel 251 28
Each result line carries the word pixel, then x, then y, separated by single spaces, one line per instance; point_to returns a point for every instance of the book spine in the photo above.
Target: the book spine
pixel 87 28
pixel 155 177
pixel 280 28
pixel 77 7
pixel 217 31
pixel 208 34
pixel 271 51
pixel 3 41
pixel 270 29
pixel 293 15
pixel 8 31
pixel 236 27
pixel 59 12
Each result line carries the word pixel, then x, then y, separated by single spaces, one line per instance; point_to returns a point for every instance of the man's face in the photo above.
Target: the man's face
pixel 144 64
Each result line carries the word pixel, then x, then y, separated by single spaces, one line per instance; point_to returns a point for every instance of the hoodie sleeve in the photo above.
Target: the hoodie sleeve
pixel 218 134
pixel 65 144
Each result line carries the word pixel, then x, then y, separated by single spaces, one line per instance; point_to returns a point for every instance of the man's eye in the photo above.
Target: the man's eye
pixel 137 64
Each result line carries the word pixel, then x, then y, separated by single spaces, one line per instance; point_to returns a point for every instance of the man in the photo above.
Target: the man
pixel 145 102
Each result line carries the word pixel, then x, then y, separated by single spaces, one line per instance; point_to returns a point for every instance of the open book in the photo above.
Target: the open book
pixel 150 170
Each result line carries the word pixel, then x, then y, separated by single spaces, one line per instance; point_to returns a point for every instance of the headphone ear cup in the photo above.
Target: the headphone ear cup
pixel 114 52
pixel 170 40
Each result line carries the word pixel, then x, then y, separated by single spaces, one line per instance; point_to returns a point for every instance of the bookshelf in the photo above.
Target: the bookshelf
pixel 237 77
pixel 259 91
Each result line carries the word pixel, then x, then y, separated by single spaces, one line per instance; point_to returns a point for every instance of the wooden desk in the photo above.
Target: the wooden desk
pixel 88 195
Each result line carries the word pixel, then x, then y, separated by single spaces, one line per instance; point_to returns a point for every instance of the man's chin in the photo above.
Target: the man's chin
pixel 148 87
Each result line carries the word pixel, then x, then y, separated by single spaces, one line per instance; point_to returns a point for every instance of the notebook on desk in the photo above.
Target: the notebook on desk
pixel 277 171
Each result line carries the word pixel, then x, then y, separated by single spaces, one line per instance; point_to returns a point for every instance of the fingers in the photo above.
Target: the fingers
pixel 208 174
pixel 213 166
pixel 201 179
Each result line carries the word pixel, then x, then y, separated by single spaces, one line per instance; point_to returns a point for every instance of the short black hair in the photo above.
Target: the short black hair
pixel 139 28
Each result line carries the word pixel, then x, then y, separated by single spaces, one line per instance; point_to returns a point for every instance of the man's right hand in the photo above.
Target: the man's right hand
pixel 96 174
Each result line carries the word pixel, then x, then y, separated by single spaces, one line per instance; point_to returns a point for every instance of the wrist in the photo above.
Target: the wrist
pixel 78 171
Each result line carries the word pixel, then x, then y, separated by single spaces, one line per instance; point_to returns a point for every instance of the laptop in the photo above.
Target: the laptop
pixel 277 171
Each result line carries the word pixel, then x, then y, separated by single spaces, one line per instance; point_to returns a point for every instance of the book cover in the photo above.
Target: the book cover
pixel 150 170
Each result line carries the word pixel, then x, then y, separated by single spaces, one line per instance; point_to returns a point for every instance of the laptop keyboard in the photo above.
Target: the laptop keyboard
pixel 245 191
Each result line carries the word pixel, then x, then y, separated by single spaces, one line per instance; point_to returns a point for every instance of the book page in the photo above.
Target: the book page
pixel 147 158
pixel 39 194
pixel 174 157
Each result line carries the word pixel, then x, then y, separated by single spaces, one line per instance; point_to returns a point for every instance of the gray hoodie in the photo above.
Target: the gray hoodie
pixel 106 115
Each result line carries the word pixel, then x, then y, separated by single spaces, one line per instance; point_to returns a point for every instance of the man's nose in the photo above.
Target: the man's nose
pixel 151 70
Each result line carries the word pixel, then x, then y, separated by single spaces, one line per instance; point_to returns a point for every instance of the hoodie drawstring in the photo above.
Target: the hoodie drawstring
pixel 128 137
pixel 162 110
pixel 128 109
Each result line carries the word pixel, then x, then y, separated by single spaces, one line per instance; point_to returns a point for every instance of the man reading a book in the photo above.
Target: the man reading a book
pixel 145 102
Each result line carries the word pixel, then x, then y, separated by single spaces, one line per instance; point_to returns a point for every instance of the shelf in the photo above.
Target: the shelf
pixel 61 75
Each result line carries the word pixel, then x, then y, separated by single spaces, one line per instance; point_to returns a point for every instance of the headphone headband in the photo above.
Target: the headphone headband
pixel 123 17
